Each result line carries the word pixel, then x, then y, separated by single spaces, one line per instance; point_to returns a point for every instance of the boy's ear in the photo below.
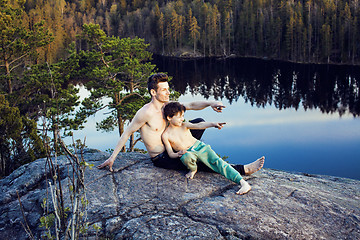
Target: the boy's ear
pixel 168 118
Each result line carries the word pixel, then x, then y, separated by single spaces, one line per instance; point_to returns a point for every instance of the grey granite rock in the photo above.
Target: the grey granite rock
pixel 140 201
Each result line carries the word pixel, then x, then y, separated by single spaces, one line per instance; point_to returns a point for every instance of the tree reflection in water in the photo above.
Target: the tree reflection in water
pixel 329 88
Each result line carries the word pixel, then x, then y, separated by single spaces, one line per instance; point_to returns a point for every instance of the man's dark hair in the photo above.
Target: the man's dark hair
pixel 173 108
pixel 154 79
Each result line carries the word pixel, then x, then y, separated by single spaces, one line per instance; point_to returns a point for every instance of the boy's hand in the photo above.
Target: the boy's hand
pixel 219 125
pixel 181 152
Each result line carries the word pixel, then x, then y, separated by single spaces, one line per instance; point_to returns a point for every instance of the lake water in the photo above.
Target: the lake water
pixel 301 117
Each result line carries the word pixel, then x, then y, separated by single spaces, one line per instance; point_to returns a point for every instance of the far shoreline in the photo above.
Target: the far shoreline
pixel 190 56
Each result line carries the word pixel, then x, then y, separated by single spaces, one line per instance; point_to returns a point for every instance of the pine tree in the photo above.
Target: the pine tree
pixel 193 29
pixel 215 27
pixel 17 43
pixel 228 29
pixel 117 69
pixel 175 27
pixel 19 142
pixel 326 41
pixel 162 31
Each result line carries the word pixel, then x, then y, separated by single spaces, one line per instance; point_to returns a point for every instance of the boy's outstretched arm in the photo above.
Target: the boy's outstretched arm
pixel 203 125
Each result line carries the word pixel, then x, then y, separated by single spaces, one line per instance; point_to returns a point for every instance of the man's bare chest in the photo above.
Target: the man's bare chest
pixel 156 124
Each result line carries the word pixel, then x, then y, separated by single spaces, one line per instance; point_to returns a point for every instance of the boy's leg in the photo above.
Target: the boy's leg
pixel 189 159
pixel 201 166
pixel 196 133
pixel 213 161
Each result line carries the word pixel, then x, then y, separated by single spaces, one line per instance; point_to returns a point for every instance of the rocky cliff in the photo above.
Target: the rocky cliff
pixel 140 201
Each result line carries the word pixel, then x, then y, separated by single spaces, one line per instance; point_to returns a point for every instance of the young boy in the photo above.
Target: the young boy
pixel 177 137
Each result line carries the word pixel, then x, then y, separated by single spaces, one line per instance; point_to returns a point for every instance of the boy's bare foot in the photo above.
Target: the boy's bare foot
pixel 254 166
pixel 190 175
pixel 245 187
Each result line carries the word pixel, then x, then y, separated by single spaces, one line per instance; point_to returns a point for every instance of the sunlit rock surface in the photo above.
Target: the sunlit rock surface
pixel 140 201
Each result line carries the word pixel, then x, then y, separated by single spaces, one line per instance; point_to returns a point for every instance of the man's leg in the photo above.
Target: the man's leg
pixel 164 161
pixel 197 133
pixel 254 166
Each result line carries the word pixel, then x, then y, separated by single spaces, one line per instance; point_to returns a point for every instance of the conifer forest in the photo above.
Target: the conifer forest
pixel 295 30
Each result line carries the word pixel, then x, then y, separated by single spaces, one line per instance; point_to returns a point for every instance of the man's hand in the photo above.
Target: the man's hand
pixel 109 162
pixel 217 106
pixel 219 125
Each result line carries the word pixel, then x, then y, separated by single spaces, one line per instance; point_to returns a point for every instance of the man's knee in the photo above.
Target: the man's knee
pixel 197 120
pixel 197 133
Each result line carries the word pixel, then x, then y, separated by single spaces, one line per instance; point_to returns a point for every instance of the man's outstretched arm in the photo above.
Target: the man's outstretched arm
pixel 199 105
pixel 138 121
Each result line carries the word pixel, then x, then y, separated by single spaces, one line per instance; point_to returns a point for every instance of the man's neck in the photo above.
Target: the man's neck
pixel 157 104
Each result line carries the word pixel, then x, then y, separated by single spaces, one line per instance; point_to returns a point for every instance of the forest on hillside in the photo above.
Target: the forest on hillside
pixel 316 31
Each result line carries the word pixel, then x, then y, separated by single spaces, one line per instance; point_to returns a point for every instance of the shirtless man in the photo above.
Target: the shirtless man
pixel 149 119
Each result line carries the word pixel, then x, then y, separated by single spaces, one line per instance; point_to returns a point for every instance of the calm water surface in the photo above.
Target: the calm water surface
pixel 302 118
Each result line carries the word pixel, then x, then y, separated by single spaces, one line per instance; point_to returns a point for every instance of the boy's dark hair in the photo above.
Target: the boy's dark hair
pixel 154 79
pixel 172 108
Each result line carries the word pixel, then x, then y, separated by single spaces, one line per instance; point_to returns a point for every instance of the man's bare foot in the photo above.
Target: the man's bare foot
pixel 190 175
pixel 254 166
pixel 108 162
pixel 245 187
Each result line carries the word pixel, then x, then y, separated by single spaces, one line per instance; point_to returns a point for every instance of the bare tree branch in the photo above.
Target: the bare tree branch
pixel 26 226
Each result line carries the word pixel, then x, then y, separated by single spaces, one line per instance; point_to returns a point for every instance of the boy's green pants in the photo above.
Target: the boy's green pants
pixel 204 153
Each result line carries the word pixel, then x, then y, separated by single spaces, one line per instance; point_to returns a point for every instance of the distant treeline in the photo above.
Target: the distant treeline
pixel 295 30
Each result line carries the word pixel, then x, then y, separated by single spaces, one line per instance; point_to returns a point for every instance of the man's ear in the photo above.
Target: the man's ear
pixel 152 92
